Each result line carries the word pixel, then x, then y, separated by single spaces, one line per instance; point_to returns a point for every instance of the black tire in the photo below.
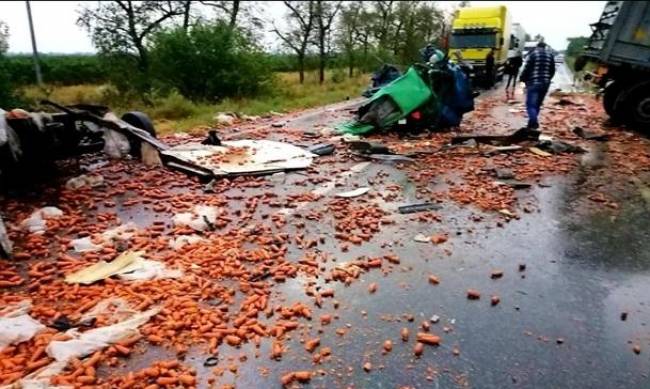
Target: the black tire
pixel 637 103
pixel 612 101
pixel 142 121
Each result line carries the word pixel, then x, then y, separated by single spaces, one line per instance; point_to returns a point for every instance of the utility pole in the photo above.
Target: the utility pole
pixel 37 66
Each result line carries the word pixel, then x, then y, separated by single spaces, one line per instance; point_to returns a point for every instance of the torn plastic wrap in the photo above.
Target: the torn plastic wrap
pixel 116 145
pixel 201 218
pixel 16 325
pixel 36 222
pixel 86 343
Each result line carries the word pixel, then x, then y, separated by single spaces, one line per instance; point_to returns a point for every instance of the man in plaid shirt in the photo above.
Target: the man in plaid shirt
pixel 537 75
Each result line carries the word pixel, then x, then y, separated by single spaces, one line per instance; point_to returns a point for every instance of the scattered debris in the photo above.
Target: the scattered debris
pixel 16 325
pixel 496 274
pixel 414 208
pixel 36 222
pixel 202 217
pixel 85 245
pixel 590 135
pixel 83 180
pixel 539 152
pixel 322 149
pixel 421 238
pixel 354 193
pixel 514 184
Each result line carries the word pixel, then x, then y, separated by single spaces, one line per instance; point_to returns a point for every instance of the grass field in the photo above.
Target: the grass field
pixel 174 113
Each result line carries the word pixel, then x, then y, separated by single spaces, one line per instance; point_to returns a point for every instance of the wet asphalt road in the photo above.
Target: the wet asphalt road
pixel 558 324
pixel 559 321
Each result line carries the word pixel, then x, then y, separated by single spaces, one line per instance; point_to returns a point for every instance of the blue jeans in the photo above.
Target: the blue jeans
pixel 535 94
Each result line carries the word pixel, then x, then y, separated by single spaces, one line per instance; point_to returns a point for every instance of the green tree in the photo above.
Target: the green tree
pixel 208 62
pixel 576 46
pixel 7 98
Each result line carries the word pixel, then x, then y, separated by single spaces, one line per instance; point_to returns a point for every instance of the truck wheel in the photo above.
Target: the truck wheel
pixel 612 101
pixel 142 121
pixel 637 102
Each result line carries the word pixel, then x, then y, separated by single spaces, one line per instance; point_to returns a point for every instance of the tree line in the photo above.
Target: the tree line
pixel 208 50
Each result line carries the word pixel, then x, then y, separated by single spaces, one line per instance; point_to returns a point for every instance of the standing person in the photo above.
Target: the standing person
pixel 489 68
pixel 512 70
pixel 537 74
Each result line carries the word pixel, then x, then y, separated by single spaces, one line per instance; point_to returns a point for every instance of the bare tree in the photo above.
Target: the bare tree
pixel 384 14
pixel 348 31
pixel 230 8
pixel 302 15
pixel 325 13
pixel 124 25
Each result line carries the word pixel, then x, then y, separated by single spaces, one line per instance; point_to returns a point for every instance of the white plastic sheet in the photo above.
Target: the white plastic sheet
pixel 36 224
pixel 145 269
pixel 183 240
pixel 200 219
pixel 86 343
pixel 85 245
pixel 354 193
pixel 116 145
pixel 83 181
pixel 16 325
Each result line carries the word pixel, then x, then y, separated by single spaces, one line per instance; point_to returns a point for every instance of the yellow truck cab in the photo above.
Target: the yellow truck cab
pixel 476 30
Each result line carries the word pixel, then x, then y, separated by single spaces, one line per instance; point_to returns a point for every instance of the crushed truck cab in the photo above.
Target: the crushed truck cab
pixel 476 30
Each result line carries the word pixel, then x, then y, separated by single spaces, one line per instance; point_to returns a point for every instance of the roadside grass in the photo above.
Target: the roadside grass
pixel 174 113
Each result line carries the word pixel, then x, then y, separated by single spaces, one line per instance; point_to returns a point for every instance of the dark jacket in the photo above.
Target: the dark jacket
pixel 539 68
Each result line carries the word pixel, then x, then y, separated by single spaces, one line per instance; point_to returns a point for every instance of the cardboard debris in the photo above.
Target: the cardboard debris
pixel 128 266
pixel 102 270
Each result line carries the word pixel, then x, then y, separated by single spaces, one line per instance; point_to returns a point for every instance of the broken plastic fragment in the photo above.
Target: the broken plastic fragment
pixel 354 193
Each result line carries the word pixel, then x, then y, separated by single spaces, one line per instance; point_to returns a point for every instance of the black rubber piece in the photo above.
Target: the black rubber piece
pixel 211 361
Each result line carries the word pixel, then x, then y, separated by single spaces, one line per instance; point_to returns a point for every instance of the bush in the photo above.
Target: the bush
pixel 210 62
pixel 173 107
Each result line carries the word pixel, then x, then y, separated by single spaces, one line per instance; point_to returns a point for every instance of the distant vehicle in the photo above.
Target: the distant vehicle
pixel 476 30
pixel 529 47
pixel 620 44
pixel 559 58
pixel 517 40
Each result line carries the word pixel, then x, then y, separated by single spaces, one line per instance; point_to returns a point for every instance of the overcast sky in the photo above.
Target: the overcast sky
pixel 56 31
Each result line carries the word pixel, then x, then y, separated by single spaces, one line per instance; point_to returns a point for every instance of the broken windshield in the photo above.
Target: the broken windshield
pixel 461 41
